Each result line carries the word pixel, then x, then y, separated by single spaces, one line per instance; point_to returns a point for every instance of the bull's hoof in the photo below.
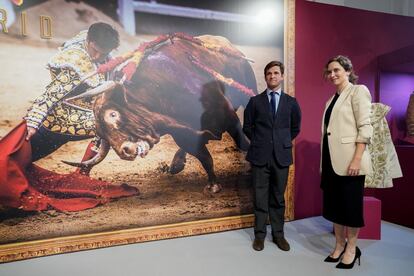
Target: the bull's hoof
pixel 176 167
pixel 212 188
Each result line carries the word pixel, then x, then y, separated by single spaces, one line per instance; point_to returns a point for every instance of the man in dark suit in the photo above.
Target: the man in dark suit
pixel 271 122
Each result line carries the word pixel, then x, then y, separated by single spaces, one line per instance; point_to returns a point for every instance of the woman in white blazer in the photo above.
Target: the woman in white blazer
pixel 346 130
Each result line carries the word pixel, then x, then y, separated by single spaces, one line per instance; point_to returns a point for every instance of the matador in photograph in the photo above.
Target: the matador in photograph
pixel 52 122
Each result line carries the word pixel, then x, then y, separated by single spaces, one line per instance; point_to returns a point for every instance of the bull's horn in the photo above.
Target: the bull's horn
pixel 100 155
pixel 107 85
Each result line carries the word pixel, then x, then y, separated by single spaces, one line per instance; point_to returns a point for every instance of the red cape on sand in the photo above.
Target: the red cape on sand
pixel 26 186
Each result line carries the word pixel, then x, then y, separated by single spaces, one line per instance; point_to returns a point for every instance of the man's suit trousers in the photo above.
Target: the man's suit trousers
pixel 269 182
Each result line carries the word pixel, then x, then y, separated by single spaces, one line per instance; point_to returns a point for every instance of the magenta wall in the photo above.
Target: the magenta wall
pixel 323 31
pixel 397 97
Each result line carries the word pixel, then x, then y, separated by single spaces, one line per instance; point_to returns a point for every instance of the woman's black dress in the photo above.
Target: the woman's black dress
pixel 342 195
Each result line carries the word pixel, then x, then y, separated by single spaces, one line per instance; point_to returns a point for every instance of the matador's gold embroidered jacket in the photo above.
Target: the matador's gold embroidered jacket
pixel 67 68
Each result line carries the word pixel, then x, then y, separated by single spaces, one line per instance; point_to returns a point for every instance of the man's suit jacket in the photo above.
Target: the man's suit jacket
pixel 349 123
pixel 269 133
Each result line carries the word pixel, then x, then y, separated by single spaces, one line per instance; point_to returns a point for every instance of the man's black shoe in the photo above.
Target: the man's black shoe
pixel 282 243
pixel 258 244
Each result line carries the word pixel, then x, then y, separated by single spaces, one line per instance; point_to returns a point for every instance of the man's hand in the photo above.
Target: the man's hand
pixel 30 132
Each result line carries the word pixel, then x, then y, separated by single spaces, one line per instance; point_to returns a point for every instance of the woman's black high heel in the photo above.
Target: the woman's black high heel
pixel 329 259
pixel 351 265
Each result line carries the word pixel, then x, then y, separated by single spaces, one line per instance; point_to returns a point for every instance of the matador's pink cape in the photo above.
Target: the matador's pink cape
pixel 26 186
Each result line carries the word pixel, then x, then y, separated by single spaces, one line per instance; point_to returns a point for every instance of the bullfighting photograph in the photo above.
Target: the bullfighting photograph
pixel 123 117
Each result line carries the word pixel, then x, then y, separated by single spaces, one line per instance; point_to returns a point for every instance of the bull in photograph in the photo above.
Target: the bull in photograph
pixel 180 88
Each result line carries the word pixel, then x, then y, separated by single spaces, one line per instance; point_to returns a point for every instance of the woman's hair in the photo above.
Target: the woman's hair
pixel 346 63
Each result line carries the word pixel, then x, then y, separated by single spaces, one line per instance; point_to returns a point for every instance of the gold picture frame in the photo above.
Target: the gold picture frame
pixel 37 248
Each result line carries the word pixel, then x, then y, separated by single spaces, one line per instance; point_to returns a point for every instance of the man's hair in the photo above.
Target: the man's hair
pixel 104 36
pixel 274 63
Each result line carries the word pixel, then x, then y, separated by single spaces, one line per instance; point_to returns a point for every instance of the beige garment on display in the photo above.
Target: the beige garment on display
pixel 385 164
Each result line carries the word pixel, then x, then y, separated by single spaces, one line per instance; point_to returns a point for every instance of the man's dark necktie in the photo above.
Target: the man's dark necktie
pixel 273 103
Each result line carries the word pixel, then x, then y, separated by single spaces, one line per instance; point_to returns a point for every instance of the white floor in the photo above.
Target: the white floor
pixel 230 253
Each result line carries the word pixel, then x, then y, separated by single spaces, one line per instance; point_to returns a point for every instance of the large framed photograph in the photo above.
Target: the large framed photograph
pixel 101 148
